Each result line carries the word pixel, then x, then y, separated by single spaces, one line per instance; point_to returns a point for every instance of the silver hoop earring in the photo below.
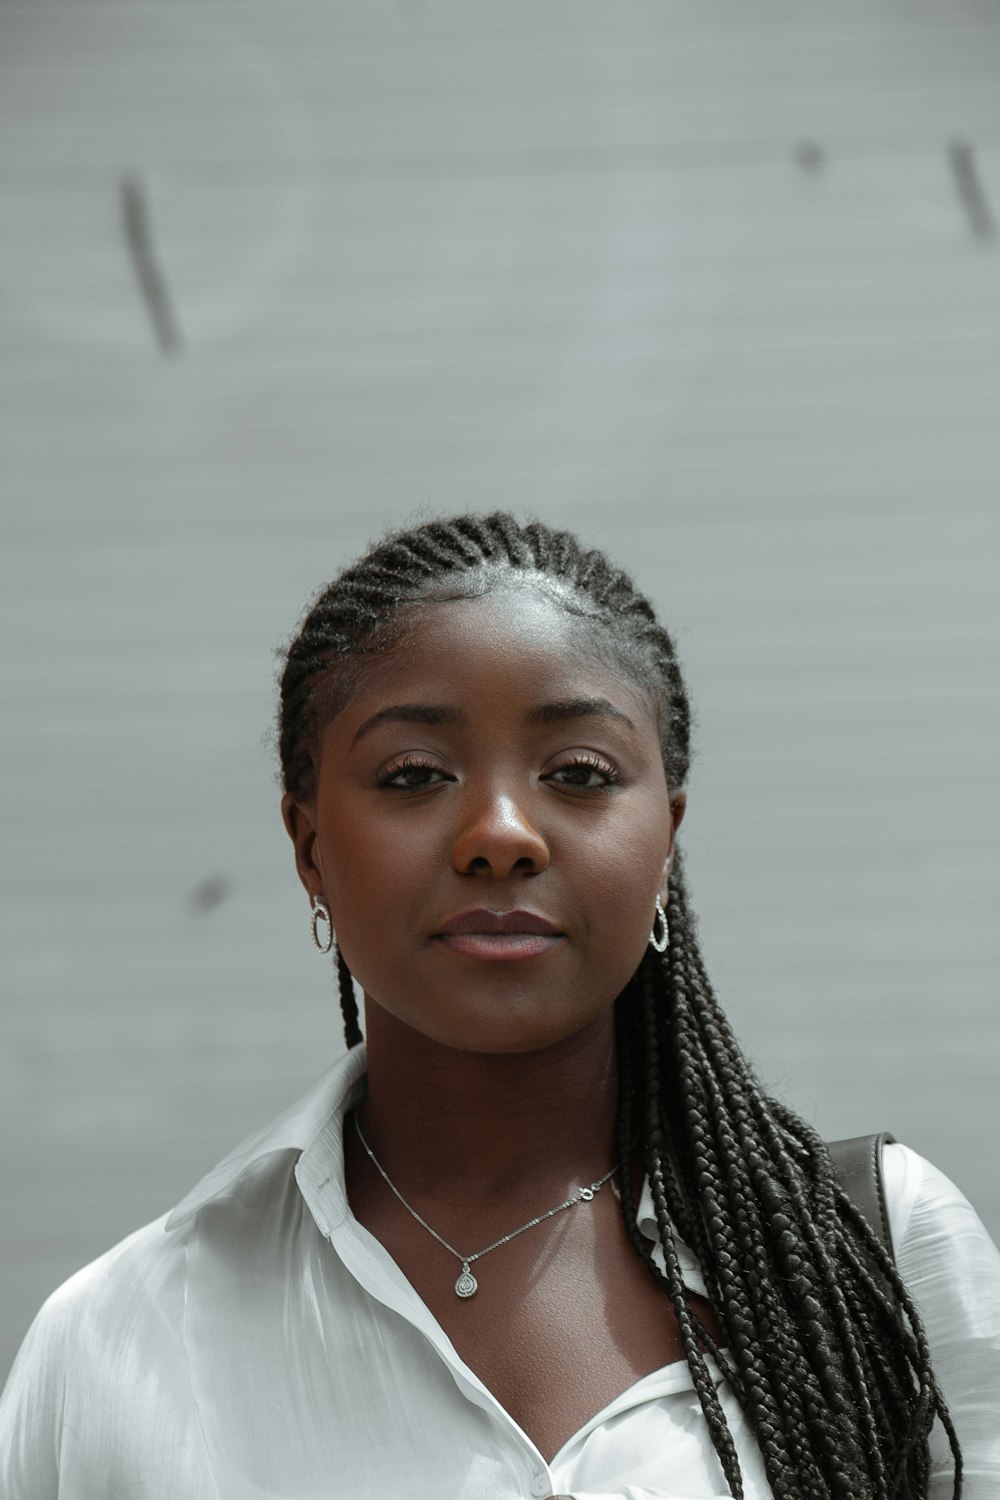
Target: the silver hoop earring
pixel 659 916
pixel 321 913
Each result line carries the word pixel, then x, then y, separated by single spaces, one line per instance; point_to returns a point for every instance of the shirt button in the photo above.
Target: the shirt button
pixel 540 1486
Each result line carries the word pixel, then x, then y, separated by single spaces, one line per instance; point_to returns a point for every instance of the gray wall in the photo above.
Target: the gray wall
pixel 716 285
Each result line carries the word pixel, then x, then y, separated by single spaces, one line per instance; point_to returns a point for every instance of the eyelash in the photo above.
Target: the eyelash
pixel 611 776
pixel 408 763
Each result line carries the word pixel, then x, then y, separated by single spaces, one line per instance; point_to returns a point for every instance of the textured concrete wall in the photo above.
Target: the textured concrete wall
pixel 718 286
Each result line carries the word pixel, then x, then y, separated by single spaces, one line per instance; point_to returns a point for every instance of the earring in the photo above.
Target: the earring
pixel 321 913
pixel 659 916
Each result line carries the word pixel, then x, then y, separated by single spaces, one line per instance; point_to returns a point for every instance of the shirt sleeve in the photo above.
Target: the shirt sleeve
pixel 30 1412
pixel 951 1268
pixel 99 1400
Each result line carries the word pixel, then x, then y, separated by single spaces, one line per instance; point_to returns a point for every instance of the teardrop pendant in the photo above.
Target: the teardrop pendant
pixel 466 1285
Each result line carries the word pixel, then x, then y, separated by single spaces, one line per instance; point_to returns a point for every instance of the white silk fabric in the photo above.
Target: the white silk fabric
pixel 258 1344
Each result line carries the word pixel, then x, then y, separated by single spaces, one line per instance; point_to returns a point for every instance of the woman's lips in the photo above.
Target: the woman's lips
pixel 498 945
pixel 499 935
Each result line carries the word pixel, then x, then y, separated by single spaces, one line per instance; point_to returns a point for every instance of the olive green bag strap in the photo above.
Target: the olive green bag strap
pixel 858 1164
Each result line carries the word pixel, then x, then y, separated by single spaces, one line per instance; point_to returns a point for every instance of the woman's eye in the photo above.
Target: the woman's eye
pixel 411 775
pixel 590 775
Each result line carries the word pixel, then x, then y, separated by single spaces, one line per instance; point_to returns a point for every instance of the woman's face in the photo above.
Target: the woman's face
pixel 491 825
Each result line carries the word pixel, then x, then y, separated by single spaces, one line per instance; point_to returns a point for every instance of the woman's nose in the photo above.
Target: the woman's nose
pixel 498 838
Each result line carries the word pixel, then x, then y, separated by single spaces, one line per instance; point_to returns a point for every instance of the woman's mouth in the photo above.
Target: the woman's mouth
pixel 499 935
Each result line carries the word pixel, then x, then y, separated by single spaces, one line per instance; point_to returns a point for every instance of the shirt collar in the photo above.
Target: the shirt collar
pixel 645 1217
pixel 314 1129
pixel 313 1126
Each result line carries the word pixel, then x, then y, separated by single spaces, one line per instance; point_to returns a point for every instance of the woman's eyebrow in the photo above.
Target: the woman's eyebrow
pixel 577 708
pixel 557 712
pixel 409 713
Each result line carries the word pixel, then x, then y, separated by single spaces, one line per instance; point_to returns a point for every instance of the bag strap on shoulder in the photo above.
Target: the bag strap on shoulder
pixel 858 1164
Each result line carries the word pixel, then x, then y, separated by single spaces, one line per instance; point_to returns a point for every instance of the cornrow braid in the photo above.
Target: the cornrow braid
pixel 822 1346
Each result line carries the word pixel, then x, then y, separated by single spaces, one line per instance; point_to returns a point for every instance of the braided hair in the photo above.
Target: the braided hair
pixel 822 1346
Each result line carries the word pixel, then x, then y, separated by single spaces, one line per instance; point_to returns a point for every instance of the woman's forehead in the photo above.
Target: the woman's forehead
pixel 469 647
pixel 525 616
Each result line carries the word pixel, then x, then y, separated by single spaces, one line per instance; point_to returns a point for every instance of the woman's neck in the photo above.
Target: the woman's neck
pixel 472 1124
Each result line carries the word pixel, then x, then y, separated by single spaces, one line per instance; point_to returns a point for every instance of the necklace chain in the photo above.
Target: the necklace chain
pixel 467 1285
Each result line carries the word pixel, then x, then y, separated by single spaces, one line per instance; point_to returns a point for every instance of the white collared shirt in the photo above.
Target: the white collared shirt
pixel 259 1344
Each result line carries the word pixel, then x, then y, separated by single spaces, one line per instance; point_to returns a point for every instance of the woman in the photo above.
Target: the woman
pixel 544 1233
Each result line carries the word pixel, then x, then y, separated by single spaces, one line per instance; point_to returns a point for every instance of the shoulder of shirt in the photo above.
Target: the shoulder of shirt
pixel 919 1196
pixel 145 1269
pixel 132 1266
pixel 293 1131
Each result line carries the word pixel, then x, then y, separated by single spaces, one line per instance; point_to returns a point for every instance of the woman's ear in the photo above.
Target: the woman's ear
pixel 299 820
pixel 678 806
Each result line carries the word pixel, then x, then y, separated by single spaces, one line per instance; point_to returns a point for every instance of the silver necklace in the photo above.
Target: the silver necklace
pixel 467 1285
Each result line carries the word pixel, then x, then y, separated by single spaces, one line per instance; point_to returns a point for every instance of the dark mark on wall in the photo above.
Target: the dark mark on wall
pixel 142 250
pixel 210 894
pixel 970 190
pixel 810 157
